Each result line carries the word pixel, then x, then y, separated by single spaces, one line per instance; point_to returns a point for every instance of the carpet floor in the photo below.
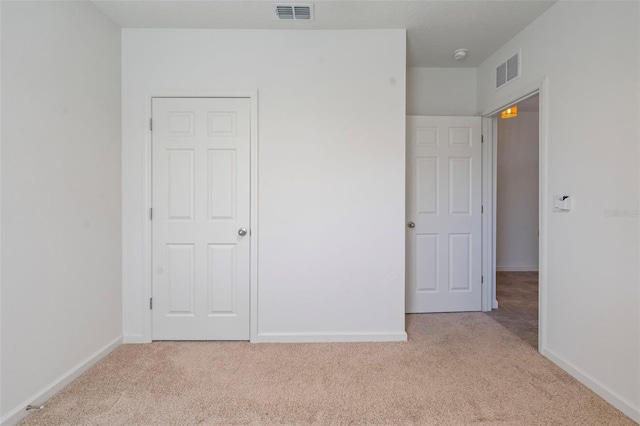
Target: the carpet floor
pixel 517 295
pixel 456 369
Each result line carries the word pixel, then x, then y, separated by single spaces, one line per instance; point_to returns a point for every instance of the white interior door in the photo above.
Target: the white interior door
pixel 443 214
pixel 201 199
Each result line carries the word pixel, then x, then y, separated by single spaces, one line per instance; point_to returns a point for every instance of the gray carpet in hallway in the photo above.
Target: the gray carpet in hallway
pixel 455 369
pixel 517 294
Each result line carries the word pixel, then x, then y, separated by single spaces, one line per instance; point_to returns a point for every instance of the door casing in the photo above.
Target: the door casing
pixel 252 95
pixel 489 201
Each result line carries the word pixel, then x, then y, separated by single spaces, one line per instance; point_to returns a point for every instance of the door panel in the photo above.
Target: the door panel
pixel 443 201
pixel 201 198
pixel 427 269
pixel 222 184
pixel 427 185
pixel 180 178
pixel 181 285
pixel 460 186
pixel 222 280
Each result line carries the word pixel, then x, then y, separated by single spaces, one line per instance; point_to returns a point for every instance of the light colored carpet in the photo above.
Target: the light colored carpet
pixel 455 369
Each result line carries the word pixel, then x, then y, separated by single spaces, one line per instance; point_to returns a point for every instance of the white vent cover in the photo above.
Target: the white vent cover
pixel 508 70
pixel 501 74
pixel 297 12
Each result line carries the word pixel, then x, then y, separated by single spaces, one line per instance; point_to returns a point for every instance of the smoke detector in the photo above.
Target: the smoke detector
pixel 293 12
pixel 460 54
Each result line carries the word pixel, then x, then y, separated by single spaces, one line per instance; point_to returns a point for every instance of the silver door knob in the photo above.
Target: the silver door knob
pixel 411 225
pixel 242 232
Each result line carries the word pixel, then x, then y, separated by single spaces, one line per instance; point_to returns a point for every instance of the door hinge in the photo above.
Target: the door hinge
pixel 151 303
pixel 151 214
pixel 151 124
pixel 481 138
pixel 481 209
pixel 481 279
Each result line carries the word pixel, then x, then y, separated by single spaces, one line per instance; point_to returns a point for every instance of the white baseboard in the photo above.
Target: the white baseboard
pixel 134 338
pixel 20 412
pixel 516 269
pixel 328 337
pixel 604 392
pixel 494 305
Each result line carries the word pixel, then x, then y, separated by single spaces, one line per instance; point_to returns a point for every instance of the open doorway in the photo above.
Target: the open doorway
pixel 517 219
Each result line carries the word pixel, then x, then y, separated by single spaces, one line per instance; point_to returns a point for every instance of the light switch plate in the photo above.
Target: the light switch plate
pixel 561 203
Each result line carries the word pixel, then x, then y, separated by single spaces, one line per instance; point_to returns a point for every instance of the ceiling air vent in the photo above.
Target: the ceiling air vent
pixel 296 12
pixel 508 70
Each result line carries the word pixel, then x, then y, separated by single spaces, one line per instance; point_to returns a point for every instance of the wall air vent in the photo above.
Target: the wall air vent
pixel 508 70
pixel 294 12
pixel 501 74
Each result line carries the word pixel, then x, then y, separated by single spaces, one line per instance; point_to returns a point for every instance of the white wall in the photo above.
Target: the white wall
pixel 331 159
pixel 517 204
pixel 61 233
pixel 441 91
pixel 589 53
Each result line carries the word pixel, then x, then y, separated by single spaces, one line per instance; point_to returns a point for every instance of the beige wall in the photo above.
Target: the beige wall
pixel 61 234
pixel 517 203
pixel 588 52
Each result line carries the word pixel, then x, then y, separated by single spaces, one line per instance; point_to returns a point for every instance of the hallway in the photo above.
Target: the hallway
pixel 517 294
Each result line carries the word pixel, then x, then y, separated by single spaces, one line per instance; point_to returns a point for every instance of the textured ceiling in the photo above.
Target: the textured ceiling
pixel 434 28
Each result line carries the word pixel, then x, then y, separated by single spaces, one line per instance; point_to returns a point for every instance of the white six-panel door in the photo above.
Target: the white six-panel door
pixel 201 199
pixel 443 214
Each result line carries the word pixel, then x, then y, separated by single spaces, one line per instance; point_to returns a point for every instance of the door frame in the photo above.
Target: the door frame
pixel 147 287
pixel 489 199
